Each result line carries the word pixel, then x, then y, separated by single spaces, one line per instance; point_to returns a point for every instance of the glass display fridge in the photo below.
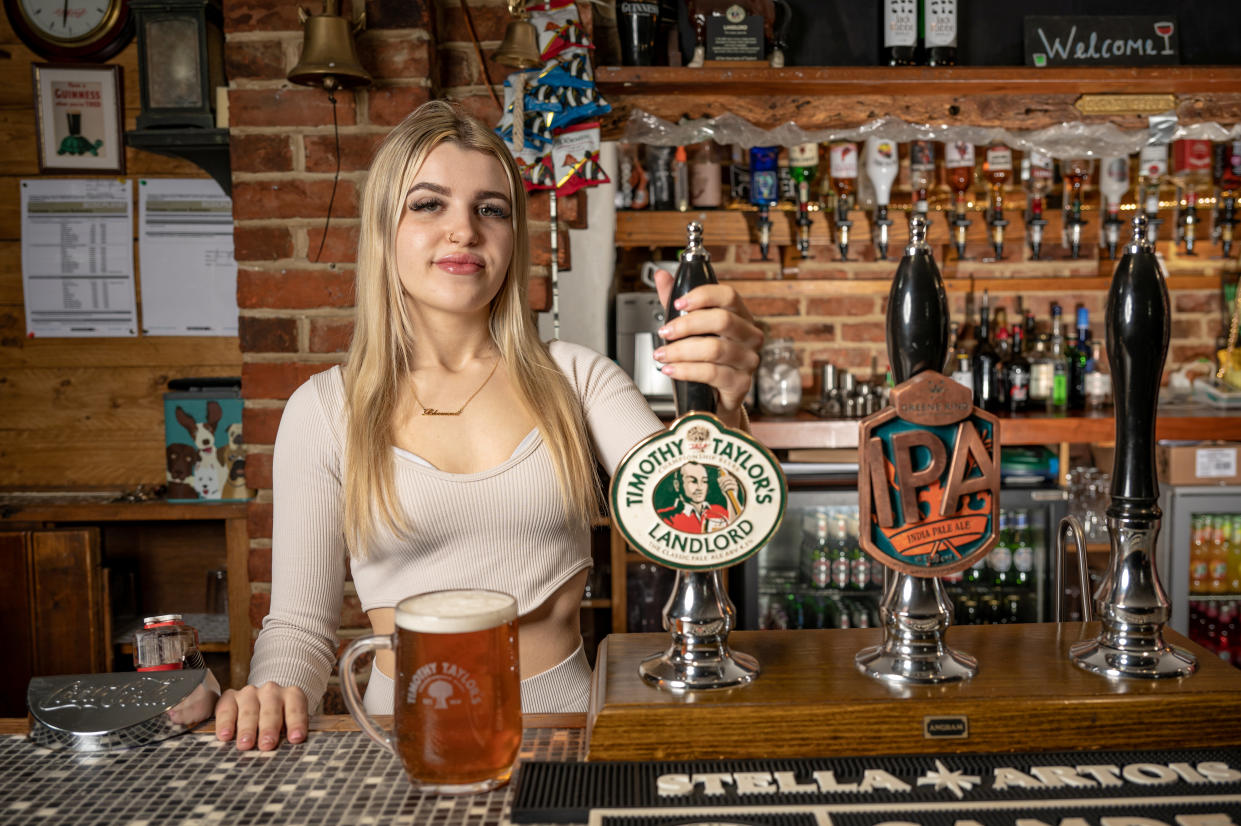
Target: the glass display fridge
pixel 1199 556
pixel 813 573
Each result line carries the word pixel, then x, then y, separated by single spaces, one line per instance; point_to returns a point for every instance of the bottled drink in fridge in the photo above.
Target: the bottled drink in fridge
pixel 816 560
pixel 1023 551
pixel 842 565
pixel 1217 560
pixel 1199 555
pixel 1001 556
pixel 1234 557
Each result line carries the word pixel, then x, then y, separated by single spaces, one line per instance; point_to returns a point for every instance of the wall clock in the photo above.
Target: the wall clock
pixel 91 30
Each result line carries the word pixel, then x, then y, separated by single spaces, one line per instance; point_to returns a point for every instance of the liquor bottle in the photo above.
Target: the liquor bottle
pixel 1228 179
pixel 900 32
pixel 1078 355
pixel 921 175
pixel 843 166
pixel 986 362
pixel 680 179
pixel 1023 552
pixel 1199 556
pixel 1037 177
pixel 1152 168
pixel 1113 184
pixel 1017 374
pixel 939 20
pixel 1060 364
pixel 803 167
pixel 1031 330
pixel 1001 557
pixel 1042 375
pixel 882 165
pixel 1098 382
pixel 997 169
pixel 764 190
pixel 1076 174
pixel 959 161
pixel 705 176
pixel 1192 173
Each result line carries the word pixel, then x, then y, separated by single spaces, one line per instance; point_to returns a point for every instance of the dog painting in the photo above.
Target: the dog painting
pixel 212 465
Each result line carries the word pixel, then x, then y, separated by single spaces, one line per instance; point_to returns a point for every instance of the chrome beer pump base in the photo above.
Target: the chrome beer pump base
pixel 1131 602
pixel 699 616
pixel 915 614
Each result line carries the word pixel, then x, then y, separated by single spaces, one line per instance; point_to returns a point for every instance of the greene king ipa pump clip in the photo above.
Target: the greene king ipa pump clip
pixel 698 497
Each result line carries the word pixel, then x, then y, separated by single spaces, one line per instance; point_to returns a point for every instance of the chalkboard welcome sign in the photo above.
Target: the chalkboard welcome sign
pixel 1126 40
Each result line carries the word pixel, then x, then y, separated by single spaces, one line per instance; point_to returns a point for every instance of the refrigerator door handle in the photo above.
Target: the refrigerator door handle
pixel 1071 525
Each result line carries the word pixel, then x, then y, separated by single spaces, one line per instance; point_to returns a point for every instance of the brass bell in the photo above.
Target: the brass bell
pixel 520 47
pixel 329 58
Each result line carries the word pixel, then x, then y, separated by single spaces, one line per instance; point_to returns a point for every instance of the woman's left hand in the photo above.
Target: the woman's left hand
pixel 716 342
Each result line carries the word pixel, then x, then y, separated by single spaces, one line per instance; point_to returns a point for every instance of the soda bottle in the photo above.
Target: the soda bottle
pixel 1198 555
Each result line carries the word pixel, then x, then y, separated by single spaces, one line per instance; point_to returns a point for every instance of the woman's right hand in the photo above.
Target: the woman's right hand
pixel 258 713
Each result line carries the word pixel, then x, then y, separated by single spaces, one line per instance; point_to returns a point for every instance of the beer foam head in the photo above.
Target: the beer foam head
pixel 455 612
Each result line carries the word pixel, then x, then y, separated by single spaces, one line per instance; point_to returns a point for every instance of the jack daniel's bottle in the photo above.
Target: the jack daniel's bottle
pixel 900 32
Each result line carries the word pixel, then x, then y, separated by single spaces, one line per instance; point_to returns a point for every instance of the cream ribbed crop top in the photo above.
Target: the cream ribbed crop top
pixel 501 528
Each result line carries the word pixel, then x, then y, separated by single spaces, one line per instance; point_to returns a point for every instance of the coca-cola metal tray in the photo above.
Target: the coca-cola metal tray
pixel 97 712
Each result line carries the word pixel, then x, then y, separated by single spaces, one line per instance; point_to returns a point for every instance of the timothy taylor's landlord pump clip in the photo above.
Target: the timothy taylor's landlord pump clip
pixel 698 497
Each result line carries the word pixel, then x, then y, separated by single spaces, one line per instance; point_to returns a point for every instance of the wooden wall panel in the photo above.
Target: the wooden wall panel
pixel 81 412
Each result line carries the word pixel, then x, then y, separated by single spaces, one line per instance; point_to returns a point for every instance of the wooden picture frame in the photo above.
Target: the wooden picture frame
pixel 79 118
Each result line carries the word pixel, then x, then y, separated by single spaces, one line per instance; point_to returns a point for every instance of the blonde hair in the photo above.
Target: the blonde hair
pixel 381 353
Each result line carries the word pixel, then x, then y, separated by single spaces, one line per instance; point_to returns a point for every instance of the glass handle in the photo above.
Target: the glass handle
pixel 349 685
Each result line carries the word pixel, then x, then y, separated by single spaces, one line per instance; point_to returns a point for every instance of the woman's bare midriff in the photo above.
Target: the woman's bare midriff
pixel 545 637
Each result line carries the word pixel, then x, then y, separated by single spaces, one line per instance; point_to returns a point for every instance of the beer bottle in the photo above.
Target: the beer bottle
pixel 1199 564
pixel 842 565
pixel 1001 556
pixel 817 564
pixel 1023 552
pixel 859 562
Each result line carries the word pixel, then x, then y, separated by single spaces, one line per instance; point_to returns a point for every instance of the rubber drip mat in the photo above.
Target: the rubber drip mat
pixel 567 792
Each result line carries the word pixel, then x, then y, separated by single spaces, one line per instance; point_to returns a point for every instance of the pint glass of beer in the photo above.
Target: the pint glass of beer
pixel 457 709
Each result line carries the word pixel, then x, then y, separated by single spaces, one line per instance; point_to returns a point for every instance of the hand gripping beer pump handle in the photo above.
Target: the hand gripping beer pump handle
pixel 694 270
pixel 915 611
pixel 1130 603
pixel 698 615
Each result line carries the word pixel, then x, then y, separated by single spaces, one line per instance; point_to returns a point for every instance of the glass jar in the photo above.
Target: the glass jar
pixel 779 378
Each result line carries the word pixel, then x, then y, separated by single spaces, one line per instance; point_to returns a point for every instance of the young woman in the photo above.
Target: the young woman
pixel 454 448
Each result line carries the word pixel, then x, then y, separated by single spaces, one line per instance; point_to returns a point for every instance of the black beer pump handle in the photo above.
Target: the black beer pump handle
pixel 693 271
pixel 1138 322
pixel 917 319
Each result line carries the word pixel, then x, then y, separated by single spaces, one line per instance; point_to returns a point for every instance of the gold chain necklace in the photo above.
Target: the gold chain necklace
pixel 431 411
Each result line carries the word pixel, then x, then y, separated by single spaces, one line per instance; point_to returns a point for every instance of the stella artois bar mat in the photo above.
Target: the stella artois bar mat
pixel 1183 786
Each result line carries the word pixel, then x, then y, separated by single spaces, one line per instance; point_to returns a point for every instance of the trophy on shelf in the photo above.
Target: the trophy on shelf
pixel 698 497
pixel 1131 602
pixel 928 484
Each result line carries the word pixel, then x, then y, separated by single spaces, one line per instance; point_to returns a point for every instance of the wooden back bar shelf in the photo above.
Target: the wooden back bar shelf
pixel 811 701
pixel 822 97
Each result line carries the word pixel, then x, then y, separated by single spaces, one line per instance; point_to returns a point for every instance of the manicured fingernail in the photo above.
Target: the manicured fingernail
pixel 297 736
pixel 244 741
pixel 681 303
pixel 267 742
pixel 668 370
pixel 225 734
pixel 662 332
pixel 659 354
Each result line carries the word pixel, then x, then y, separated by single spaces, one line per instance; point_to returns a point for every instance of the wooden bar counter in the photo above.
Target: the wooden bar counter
pixel 810 700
